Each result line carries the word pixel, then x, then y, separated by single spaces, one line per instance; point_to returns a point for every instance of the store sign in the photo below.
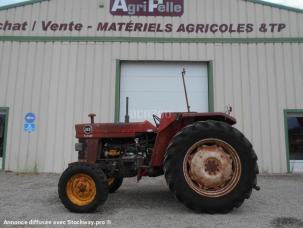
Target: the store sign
pixel 172 8
pixel 142 27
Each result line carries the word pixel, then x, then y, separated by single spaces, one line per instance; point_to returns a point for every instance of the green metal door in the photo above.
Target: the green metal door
pixel 3 134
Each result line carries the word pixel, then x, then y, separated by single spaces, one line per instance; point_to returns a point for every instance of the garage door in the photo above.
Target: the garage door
pixel 156 87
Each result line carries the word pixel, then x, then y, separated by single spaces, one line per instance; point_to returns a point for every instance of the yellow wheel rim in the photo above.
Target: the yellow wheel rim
pixel 110 181
pixel 81 189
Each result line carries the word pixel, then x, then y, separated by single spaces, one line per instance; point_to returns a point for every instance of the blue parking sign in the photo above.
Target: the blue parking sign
pixel 30 118
pixel 29 122
pixel 28 127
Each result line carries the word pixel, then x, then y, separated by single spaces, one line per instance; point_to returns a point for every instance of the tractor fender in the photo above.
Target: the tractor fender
pixel 172 123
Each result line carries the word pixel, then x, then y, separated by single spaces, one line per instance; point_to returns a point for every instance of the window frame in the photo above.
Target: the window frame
pixel 6 111
pixel 286 114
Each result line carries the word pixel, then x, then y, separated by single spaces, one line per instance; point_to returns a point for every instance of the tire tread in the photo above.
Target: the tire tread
pixel 186 133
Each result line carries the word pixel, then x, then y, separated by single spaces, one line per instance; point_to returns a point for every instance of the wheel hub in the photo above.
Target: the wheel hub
pixel 212 168
pixel 81 189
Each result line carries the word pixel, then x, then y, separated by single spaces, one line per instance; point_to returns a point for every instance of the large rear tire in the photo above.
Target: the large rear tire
pixel 211 167
pixel 82 188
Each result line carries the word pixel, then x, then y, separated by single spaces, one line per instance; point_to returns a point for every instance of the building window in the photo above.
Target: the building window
pixel 2 124
pixel 295 140
pixel 3 128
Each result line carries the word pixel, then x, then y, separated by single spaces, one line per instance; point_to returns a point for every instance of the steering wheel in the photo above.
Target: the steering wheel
pixel 157 120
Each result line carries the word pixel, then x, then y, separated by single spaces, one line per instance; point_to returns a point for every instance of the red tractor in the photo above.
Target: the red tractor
pixel 208 165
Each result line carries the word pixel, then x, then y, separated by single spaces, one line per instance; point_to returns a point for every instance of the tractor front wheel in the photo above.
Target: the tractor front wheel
pixel 114 183
pixel 211 167
pixel 82 188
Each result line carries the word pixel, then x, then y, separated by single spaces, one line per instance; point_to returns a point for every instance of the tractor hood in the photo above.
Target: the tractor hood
pixel 113 130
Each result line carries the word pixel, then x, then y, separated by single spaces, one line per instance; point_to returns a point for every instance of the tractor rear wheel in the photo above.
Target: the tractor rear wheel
pixel 211 167
pixel 114 183
pixel 82 187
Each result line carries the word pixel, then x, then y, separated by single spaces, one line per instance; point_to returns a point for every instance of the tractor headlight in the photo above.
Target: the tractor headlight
pixel 81 148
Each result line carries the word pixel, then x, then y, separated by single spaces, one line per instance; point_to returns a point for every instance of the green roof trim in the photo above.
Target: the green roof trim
pixel 30 2
pixel 293 9
pixel 276 5
pixel 148 39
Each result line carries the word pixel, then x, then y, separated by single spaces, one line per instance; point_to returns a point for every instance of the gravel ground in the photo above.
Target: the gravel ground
pixel 279 204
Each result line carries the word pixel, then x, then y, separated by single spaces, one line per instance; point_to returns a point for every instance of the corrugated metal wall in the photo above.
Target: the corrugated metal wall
pixel 62 82
pixel 196 11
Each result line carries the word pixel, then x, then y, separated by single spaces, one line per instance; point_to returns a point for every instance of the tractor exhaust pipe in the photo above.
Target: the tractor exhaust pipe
pixel 186 97
pixel 92 117
pixel 127 115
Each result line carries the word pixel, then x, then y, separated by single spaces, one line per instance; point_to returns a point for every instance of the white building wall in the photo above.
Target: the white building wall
pixel 61 82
